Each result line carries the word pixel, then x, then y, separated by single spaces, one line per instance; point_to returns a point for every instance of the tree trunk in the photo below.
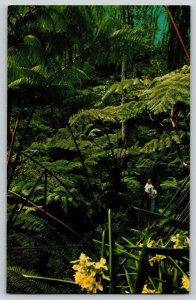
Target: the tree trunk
pixel 123 100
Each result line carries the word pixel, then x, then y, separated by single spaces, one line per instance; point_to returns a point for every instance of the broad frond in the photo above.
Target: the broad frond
pixel 170 183
pixel 145 164
pixel 134 84
pixel 164 141
pixel 113 114
pixel 103 28
pixel 133 35
pixel 165 92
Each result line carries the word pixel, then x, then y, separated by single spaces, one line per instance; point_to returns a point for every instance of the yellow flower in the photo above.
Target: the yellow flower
pixel 89 274
pixel 82 259
pixel 146 290
pixel 180 241
pixel 87 282
pixel 188 241
pixel 99 286
pixel 175 240
pixel 101 264
pixel 186 283
pixel 105 277
pixel 156 258
pixel 150 243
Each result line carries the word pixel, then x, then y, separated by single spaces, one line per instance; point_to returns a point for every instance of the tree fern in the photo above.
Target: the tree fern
pixel 162 94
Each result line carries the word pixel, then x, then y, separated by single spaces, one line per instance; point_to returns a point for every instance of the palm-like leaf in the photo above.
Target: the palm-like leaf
pixel 165 92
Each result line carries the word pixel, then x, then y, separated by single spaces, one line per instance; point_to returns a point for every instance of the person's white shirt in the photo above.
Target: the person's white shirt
pixel 148 187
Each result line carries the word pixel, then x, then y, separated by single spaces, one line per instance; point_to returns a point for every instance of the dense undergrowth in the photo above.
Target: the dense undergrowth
pixel 94 110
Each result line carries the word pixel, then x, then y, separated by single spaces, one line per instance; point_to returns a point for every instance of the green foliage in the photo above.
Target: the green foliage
pixel 70 158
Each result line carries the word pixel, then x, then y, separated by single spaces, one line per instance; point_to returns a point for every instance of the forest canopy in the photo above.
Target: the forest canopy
pixel 98 104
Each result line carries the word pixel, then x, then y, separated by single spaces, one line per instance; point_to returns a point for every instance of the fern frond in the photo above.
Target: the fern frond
pixel 165 92
pixel 135 84
pixel 113 114
pixel 170 183
pixel 103 28
pixel 26 54
pixel 131 35
pixel 144 164
pixel 32 41
pixel 49 239
pixel 164 141
pixel 17 282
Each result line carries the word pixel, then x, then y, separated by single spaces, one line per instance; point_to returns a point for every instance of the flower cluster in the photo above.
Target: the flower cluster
pixel 150 243
pixel 156 258
pixel 180 241
pixel 186 283
pixel 89 274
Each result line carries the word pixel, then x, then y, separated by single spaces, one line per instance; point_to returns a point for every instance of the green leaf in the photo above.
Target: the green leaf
pixel 142 271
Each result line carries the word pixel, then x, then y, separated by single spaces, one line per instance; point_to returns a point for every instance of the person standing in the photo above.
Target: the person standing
pixel 147 194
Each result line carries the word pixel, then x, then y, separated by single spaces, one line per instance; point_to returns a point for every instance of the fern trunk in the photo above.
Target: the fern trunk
pixel 123 100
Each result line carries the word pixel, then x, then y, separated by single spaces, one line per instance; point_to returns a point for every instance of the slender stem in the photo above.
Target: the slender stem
pixel 45 188
pixel 103 244
pixel 160 286
pixel 37 182
pixel 123 100
pixel 12 142
pixel 128 280
pixel 48 279
pixel 177 31
pixel 110 252
pixel 109 142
